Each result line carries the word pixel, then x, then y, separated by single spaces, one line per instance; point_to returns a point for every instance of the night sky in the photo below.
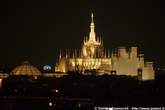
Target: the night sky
pixel 35 30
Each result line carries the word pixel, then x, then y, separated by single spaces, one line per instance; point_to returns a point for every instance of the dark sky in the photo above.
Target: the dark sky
pixel 35 30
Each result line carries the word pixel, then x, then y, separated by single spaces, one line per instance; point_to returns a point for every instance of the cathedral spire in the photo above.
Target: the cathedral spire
pixel 92 20
pixel 92 36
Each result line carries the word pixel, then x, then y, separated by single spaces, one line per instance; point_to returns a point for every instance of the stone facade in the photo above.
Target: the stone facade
pixel 93 56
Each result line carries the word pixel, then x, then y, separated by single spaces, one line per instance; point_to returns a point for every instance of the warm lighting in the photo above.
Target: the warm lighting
pixel 94 56
pixel 35 77
pixel 56 90
pixel 50 104
pixel 26 69
pixel 1 82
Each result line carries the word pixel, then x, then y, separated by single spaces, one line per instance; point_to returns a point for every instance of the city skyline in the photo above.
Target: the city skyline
pixel 36 32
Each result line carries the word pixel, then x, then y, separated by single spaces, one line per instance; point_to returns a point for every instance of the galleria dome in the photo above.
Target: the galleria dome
pixel 26 69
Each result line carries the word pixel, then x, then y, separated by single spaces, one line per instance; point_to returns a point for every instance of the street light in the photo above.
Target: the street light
pixel 50 104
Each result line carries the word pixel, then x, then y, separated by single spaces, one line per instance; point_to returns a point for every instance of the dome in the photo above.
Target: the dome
pixel 25 69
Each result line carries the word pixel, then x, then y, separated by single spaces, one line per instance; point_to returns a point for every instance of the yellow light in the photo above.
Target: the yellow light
pixel 50 104
pixel 0 82
pixel 56 90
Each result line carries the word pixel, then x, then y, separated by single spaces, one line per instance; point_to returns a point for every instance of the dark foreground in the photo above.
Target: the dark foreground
pixel 78 92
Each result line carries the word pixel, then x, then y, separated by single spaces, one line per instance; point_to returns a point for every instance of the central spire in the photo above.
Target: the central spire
pixel 92 20
pixel 92 36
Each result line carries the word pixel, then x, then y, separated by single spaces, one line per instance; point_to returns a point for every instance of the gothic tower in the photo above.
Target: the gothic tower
pixel 91 47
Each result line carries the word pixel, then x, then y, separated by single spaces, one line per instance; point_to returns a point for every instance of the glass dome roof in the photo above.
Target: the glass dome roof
pixel 25 69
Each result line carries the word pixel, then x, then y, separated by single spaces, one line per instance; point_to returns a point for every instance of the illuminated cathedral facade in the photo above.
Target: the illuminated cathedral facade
pixel 94 57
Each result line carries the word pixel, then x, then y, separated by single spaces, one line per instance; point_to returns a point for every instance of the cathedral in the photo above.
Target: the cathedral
pixel 94 58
